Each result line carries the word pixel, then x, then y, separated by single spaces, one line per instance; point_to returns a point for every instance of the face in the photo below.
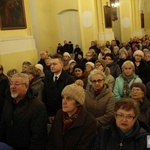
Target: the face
pixel 108 60
pixel 24 67
pixel 128 70
pixel 69 105
pixel 65 57
pixel 56 65
pixel 122 55
pixel 99 66
pixel 78 72
pixel 47 62
pixel 138 58
pixel 97 82
pixel 88 68
pixel 18 88
pixel 137 93
pixel 115 50
pixel 72 65
pixel 88 56
pixel 147 56
pixel 43 55
pixel 125 119
pixel 79 56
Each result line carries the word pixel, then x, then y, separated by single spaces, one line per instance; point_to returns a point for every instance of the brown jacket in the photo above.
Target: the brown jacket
pixel 101 106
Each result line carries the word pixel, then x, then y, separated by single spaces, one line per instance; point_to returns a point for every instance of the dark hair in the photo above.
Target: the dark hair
pixel 57 56
pixel 109 55
pixel 26 63
pixel 128 104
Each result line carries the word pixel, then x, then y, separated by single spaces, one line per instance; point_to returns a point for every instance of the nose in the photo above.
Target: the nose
pixel 124 118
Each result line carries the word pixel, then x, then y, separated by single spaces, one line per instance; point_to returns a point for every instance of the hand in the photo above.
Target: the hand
pixel 51 119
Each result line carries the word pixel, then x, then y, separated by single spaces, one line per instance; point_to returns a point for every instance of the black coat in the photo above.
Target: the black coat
pixel 24 125
pixel 78 137
pixel 52 92
pixel 108 138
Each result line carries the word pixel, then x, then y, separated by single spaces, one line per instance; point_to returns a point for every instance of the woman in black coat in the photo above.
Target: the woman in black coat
pixel 125 131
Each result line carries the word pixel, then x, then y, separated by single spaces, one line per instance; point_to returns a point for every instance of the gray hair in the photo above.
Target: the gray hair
pixel 24 77
pixel 128 63
pixel 94 72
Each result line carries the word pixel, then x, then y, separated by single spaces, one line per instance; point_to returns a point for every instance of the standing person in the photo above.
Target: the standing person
pixel 24 120
pixel 73 127
pixel 3 88
pixel 53 85
pixel 124 81
pixel 99 98
pixel 125 131
pixel 43 55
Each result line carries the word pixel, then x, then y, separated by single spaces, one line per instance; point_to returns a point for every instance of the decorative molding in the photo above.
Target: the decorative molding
pixel 106 36
pixel 16 44
pixel 87 19
pixel 139 33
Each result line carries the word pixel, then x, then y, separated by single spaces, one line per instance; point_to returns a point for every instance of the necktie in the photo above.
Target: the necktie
pixel 56 78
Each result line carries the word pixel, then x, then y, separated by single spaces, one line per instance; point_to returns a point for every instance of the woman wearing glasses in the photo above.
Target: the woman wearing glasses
pixel 125 131
pixel 99 99
pixel 138 93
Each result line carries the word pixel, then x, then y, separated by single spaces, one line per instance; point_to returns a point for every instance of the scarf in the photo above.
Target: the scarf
pixel 126 88
pixel 68 121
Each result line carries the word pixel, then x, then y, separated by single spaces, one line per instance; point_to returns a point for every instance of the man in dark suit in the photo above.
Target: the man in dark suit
pixel 53 86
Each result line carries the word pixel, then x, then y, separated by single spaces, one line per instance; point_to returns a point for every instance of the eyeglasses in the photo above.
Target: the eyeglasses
pixel 136 90
pixel 97 81
pixel 122 116
pixel 15 84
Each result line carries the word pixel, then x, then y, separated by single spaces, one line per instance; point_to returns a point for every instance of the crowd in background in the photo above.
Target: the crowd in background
pixel 108 88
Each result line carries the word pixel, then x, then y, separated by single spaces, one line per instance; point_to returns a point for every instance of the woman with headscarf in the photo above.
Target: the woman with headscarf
pixel 124 81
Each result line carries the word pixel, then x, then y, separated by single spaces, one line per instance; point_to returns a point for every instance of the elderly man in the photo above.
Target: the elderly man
pixel 24 119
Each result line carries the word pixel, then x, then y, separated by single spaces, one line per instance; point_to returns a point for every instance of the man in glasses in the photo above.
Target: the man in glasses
pixel 24 119
pixel 125 131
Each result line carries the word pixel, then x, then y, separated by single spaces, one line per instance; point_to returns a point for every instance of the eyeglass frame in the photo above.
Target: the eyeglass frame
pixel 122 116
pixel 97 81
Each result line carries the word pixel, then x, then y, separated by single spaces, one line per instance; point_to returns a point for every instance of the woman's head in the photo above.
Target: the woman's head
pixel 73 96
pixel 128 68
pixel 126 113
pixel 138 55
pixel 97 79
pixel 123 54
pixel 138 91
pixel 78 70
pixel 100 65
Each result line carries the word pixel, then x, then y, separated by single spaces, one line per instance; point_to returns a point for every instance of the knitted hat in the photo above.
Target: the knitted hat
pixel 138 52
pixel 66 54
pixel 72 61
pixel 102 61
pixel 39 66
pixel 91 64
pixel 123 50
pixel 74 91
pixel 140 85
pixel 79 66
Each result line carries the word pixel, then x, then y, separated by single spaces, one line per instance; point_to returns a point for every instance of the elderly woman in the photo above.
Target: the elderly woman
pixel 124 81
pixel 138 93
pixel 73 127
pixel 99 99
pixel 100 64
pixel 125 131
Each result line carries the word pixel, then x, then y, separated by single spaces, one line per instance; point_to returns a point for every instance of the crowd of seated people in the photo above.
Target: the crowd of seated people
pixel 105 89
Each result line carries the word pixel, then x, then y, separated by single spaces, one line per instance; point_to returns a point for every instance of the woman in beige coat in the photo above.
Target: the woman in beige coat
pixel 99 99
